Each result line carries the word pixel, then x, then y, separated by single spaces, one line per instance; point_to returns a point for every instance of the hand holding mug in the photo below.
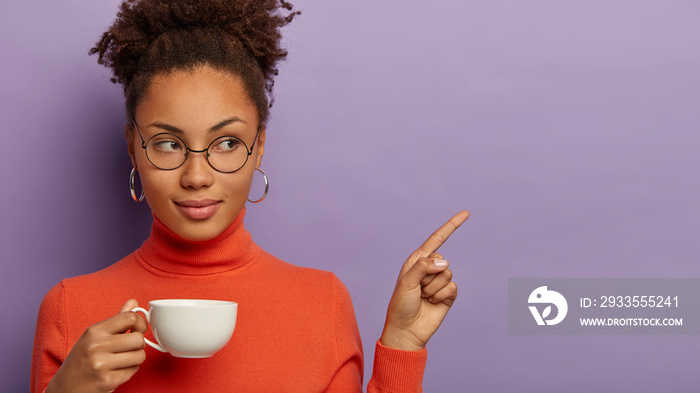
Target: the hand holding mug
pixel 423 294
pixel 105 356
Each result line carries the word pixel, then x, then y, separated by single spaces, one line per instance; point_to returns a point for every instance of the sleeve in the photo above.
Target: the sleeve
pixel 49 339
pixel 396 370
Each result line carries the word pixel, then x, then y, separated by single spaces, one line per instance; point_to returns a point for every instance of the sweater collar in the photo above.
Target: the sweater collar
pixel 166 251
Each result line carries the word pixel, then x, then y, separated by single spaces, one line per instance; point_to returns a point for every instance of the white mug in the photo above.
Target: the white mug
pixel 190 328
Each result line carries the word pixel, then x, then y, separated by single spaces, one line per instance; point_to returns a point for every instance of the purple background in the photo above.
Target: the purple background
pixel 567 128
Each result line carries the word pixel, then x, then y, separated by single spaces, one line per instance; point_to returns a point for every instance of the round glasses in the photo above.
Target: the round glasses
pixel 167 151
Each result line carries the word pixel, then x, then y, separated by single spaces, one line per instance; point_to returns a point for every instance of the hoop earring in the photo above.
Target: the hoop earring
pixel 267 186
pixel 132 188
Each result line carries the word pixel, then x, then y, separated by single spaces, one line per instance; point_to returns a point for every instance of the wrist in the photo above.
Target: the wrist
pixel 51 386
pixel 400 339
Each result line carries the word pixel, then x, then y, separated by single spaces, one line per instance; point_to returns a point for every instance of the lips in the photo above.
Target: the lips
pixel 198 209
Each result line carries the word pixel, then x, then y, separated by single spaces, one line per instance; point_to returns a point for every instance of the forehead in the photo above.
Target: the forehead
pixel 196 98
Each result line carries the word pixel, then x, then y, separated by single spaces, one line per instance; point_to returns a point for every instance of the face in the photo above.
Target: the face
pixel 195 201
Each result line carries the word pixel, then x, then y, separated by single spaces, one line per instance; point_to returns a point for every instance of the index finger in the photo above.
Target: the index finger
pixel 117 324
pixel 122 322
pixel 440 236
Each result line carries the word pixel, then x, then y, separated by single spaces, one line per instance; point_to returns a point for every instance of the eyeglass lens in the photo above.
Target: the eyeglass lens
pixel 225 154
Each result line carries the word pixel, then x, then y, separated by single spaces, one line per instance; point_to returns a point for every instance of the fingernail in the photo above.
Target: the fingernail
pixel 440 262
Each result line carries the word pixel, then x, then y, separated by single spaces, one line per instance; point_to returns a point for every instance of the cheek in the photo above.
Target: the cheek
pixel 152 184
pixel 157 185
pixel 236 184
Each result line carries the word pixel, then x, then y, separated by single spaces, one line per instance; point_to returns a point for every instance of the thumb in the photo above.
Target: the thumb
pixel 129 305
pixel 420 269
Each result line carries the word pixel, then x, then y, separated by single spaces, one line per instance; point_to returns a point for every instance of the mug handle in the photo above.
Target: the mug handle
pixel 147 314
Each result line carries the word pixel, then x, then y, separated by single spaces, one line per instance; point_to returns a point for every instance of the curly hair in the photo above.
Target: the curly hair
pixel 151 37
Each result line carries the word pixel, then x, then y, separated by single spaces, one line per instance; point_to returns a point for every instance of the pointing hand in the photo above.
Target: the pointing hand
pixel 423 294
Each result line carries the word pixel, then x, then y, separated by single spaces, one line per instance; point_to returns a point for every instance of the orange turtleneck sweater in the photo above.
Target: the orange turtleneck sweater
pixel 296 329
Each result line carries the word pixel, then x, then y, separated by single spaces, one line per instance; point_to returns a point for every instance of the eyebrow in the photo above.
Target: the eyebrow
pixel 220 125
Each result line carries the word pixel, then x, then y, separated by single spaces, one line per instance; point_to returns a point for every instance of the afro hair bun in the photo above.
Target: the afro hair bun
pixel 255 23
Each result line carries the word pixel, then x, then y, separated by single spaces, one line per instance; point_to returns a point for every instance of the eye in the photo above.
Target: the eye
pixel 227 145
pixel 167 146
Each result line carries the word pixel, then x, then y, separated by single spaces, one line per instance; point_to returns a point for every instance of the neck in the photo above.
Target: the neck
pixel 166 251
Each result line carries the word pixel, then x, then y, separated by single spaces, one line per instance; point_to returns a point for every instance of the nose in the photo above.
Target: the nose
pixel 197 172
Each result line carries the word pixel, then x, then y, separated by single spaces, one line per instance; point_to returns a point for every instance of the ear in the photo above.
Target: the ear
pixel 260 146
pixel 129 134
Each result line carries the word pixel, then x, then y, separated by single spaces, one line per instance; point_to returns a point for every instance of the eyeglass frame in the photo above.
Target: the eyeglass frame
pixel 188 150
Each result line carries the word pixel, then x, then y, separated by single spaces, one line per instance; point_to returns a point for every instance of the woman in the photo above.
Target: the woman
pixel 196 78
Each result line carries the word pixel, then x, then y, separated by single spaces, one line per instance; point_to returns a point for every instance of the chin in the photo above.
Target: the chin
pixel 201 232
